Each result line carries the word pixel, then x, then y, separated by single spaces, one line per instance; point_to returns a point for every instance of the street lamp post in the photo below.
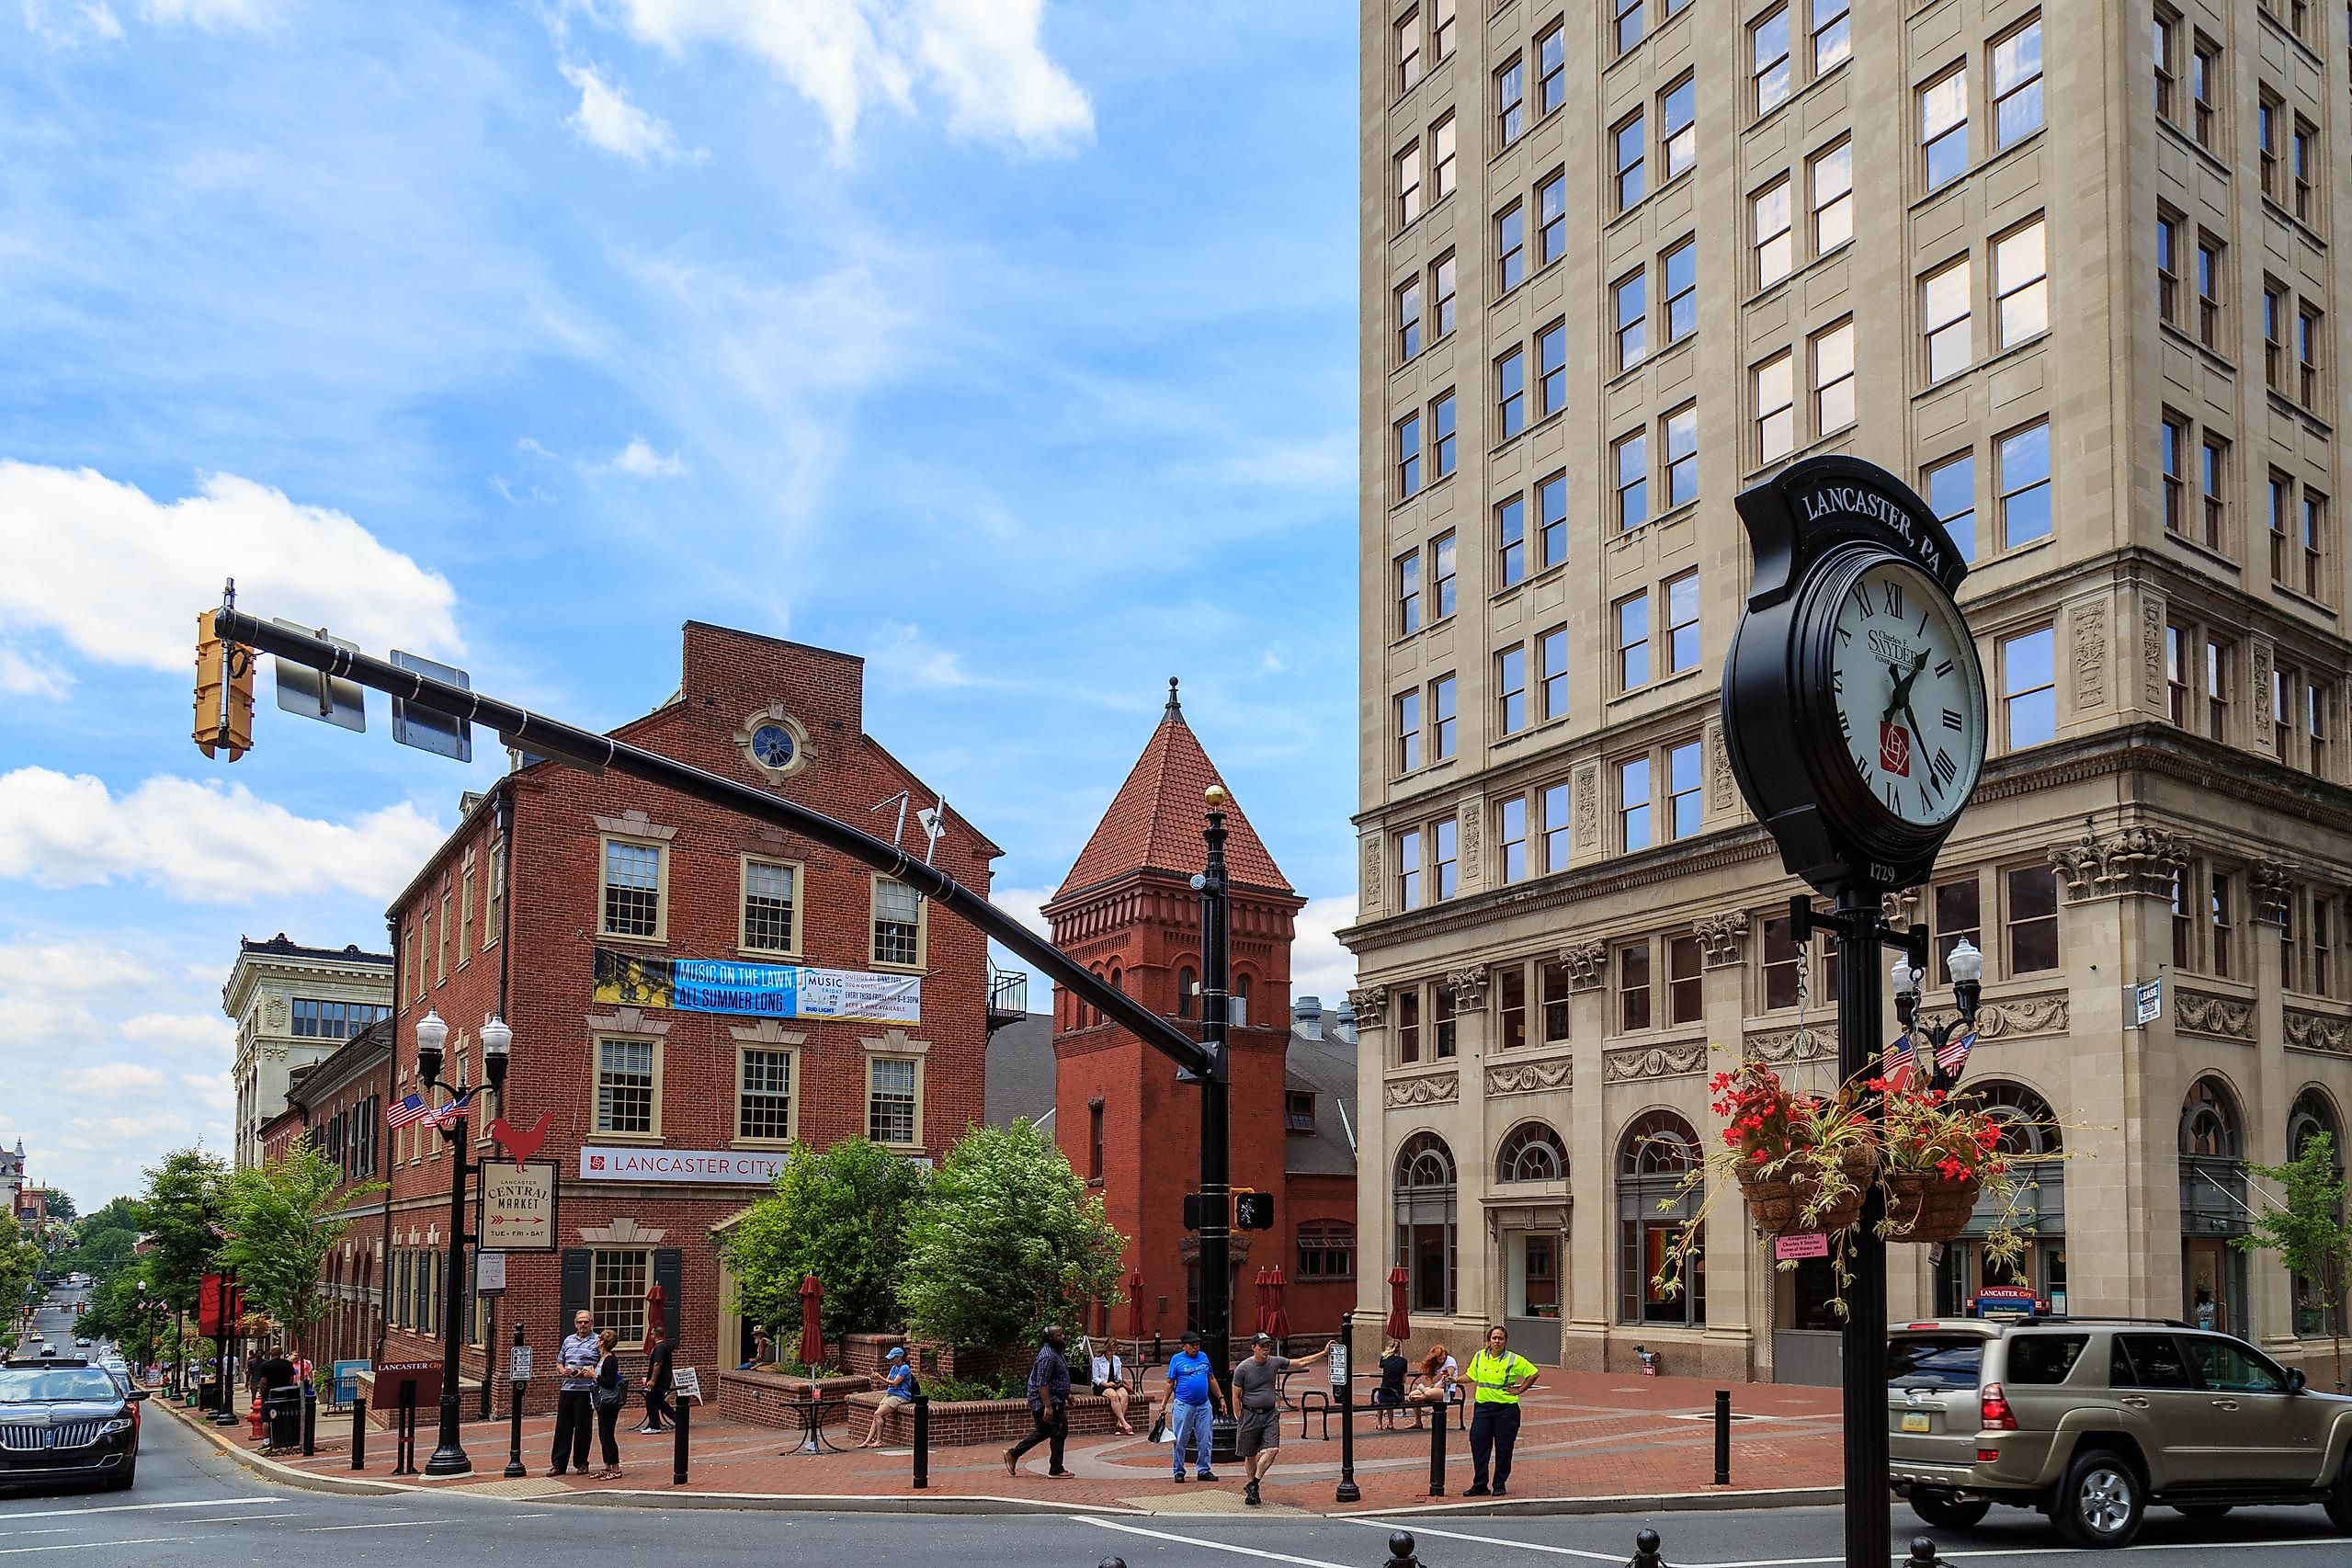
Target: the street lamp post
pixel 1966 966
pixel 448 1452
pixel 1216 1186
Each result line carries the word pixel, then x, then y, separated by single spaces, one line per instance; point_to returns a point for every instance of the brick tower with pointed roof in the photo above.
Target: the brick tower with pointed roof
pixel 1127 911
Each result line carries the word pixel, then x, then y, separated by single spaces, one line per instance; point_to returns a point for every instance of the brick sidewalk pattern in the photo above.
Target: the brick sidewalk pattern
pixel 1584 1435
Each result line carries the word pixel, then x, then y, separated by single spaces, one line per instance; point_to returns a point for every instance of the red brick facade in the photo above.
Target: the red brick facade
pixel 506 917
pixel 338 1103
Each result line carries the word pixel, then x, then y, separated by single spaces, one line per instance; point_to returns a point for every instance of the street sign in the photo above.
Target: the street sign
pixel 2147 1000
pixel 686 1383
pixel 1788 1249
pixel 518 1207
pixel 315 694
pixel 444 734
pixel 1338 1365
pixel 490 1272
pixel 518 1364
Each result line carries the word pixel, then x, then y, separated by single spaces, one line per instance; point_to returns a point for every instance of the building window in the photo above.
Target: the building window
pixel 2315 546
pixel 1408 731
pixel 2318 698
pixel 1511 823
pixel 2284 684
pixel 2172 459
pixel 1833 35
pixel 1425 1222
pixel 1632 641
pixel 1551 217
pixel 2020 284
pixel 1633 804
pixel 632 899
pixel 1775 249
pixel 1442 167
pixel 494 895
pixel 1631 296
pixel 1632 454
pixel 1552 70
pixel 1943 127
pixel 465 916
pixel 1511 101
pixel 627 1094
pixel 1680 431
pixel 2222 930
pixel 1510 247
pixel 2212 479
pixel 2033 919
pixel 2209 290
pixel 2267 112
pixel 1681 266
pixel 1511 541
pixel 771 909
pixel 1441 434
pixel 1632 184
pixel 1684 804
pixel 2307 336
pixel 1952 494
pixel 2205 88
pixel 1408 184
pixel 1551 517
pixel 891 1089
pixel 1442 30
pixel 2220 672
pixel 1830 174
pixel 1408 593
pixel 898 923
pixel 1633 988
pixel 1957 918
pixel 1551 672
pixel 2028 689
pixel 1444 291
pixel 1775 386
pixel 1326 1250
pixel 1408 52
pixel 1531 1151
pixel 1511 1005
pixel 2023 475
pixel 616 1286
pixel 1656 1214
pixel 1095 1140
pixel 2283 523
pixel 1555 827
pixel 1188 984
pixel 1511 392
pixel 1628 23
pixel 1408 321
pixel 1833 378
pixel 2304 164
pixel 1947 323
pixel 1554 977
pixel 764 1095
pixel 442 944
pixel 1551 367
pixel 1685 994
pixel 1408 456
pixel 1441 718
pixel 1441 1023
pixel 1442 575
pixel 1408 868
pixel 1768 59
pixel 1408 1026
pixel 2176 673
pixel 1678 135
pixel 315 1019
pixel 1511 688
pixel 1682 621
pixel 2016 84
pixel 1444 858
pixel 2167 32
pixel 2168 268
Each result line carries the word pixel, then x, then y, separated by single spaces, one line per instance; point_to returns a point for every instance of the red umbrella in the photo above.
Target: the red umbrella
pixel 812 1329
pixel 1400 1324
pixel 1261 1301
pixel 1278 1320
pixel 1135 1306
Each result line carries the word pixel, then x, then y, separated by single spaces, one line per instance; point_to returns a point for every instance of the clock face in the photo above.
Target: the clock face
pixel 771 746
pixel 1908 693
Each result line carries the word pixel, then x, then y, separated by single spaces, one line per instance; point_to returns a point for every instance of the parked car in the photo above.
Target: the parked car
pixel 63 1419
pixel 2093 1421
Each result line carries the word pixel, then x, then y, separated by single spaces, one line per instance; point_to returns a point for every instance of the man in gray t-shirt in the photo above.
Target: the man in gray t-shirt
pixel 1258 1439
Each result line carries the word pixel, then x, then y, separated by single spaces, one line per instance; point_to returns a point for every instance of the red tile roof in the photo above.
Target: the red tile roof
pixel 1155 819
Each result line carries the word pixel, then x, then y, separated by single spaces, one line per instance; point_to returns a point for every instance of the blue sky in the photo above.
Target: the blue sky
pixel 1010 346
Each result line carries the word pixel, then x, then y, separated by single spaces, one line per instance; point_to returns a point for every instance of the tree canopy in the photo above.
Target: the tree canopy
pixel 182 1202
pixel 840 1215
pixel 2308 1230
pixel 281 1232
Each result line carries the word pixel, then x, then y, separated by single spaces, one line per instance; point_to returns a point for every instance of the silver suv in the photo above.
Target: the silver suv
pixel 2092 1420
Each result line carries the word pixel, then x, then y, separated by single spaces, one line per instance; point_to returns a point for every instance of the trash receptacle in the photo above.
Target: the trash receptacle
pixel 208 1395
pixel 281 1417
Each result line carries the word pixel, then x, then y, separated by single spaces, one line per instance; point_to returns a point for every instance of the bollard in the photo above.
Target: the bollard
pixel 1401 1550
pixel 1438 1449
pixel 1158 1356
pixel 310 1422
pixel 359 1433
pixel 1922 1554
pixel 1112 1563
pixel 677 1445
pixel 1645 1552
pixel 1722 1436
pixel 922 1440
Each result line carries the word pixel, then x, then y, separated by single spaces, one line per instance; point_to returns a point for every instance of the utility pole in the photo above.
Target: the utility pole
pixel 1216 1175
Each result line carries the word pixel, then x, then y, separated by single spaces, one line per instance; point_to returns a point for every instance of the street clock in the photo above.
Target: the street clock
pixel 1854 707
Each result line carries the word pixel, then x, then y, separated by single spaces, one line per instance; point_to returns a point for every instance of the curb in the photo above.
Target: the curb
pixel 1622 1503
pixel 286 1474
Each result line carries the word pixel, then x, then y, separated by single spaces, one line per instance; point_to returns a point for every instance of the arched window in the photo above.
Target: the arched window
pixel 2029 1127
pixel 1237 1004
pixel 2312 1116
pixel 1531 1151
pixel 1652 1158
pixel 2208 1121
pixel 2030 1140
pixel 1186 980
pixel 2214 1206
pixel 1425 1222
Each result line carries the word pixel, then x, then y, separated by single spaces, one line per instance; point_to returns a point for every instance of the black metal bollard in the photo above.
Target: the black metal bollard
pixel 1722 1436
pixel 1112 1563
pixel 359 1433
pixel 1922 1554
pixel 922 1440
pixel 310 1422
pixel 1438 1449
pixel 1401 1550
pixel 677 1444
pixel 1645 1552
pixel 1158 1353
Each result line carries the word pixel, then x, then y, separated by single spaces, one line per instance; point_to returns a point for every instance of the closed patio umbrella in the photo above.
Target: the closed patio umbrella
pixel 1400 1324
pixel 1135 1306
pixel 1277 1317
pixel 812 1326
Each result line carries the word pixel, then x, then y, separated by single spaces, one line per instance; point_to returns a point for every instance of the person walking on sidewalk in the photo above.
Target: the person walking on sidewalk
pixel 574 1405
pixel 1256 1394
pixel 1497 1376
pixel 659 1349
pixel 1192 1390
pixel 612 1393
pixel 1048 1408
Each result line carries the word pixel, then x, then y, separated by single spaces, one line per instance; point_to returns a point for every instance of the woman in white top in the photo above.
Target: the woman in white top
pixel 1107 1373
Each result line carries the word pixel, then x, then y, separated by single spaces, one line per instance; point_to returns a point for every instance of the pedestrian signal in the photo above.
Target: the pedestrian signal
pixel 1253 1211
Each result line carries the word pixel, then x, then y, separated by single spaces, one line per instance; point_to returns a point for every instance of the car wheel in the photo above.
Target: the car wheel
pixel 122 1483
pixel 2100 1504
pixel 1947 1512
pixel 2339 1501
pixel 2202 1511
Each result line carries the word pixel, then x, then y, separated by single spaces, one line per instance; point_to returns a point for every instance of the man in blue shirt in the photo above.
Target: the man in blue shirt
pixel 1048 1408
pixel 1192 1392
pixel 574 1410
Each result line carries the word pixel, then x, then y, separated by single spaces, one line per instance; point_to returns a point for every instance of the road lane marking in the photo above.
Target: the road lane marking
pixel 388 1525
pixel 1416 1529
pixel 86 1545
pixel 142 1507
pixel 1211 1545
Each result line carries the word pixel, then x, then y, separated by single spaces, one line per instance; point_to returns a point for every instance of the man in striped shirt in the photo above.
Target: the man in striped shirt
pixel 576 1414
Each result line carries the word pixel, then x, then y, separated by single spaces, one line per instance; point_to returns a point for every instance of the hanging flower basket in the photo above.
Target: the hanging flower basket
pixel 1927 1205
pixel 1792 1201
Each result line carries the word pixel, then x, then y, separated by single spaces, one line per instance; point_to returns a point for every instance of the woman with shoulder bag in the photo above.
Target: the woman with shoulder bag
pixel 612 1393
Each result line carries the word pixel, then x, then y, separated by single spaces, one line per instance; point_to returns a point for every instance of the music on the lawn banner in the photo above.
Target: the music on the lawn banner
pixel 756 990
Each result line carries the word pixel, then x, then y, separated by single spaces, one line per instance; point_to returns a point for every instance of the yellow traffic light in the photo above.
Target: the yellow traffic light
pixel 224 693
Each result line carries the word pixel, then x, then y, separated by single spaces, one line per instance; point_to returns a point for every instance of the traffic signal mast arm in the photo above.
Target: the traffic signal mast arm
pixel 594 753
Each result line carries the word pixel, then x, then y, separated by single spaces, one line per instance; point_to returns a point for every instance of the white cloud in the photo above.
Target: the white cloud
pixel 111 1081
pixel 213 16
pixel 639 460
pixel 26 673
pixel 121 576
pixel 183 1034
pixel 607 118
pixel 72 966
pixel 906 654
pixel 981 57
pixel 63 24
pixel 1319 965
pixel 207 842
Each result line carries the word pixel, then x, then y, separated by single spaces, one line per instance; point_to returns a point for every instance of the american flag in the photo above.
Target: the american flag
pixel 1952 1055
pixel 449 1115
pixel 399 1113
pixel 1899 1063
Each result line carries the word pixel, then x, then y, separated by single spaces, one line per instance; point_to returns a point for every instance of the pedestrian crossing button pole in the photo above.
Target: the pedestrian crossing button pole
pixel 519 1379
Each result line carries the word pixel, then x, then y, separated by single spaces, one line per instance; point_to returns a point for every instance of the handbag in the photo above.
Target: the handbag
pixel 614 1396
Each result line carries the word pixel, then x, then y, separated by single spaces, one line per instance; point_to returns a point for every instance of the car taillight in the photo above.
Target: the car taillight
pixel 1993 1410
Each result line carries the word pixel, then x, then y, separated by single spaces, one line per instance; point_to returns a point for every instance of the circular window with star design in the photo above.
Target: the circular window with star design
pixel 776 743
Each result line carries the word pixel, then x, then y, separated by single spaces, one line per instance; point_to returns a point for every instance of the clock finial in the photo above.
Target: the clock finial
pixel 1176 708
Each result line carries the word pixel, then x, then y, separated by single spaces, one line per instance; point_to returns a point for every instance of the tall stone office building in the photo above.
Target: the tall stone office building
pixel 2072 270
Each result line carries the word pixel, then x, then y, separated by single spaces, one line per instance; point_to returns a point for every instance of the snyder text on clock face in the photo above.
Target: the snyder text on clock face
pixel 1910 713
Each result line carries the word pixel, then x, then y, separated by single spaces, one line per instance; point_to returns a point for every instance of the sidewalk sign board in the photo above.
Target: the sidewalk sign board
pixel 686 1383
pixel 346 1380
pixel 490 1272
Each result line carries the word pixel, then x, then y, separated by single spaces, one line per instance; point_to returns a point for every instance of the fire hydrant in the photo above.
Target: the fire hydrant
pixel 259 1431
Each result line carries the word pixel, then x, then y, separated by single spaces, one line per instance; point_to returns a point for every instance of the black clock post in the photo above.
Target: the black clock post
pixel 1851 632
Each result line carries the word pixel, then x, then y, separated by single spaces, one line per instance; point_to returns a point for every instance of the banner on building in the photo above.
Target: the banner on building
pixel 756 990
pixel 737 1167
pixel 518 1207
pixel 209 1292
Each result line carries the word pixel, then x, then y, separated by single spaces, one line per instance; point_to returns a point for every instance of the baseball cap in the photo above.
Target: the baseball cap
pixel 1263 1339
pixel 898 1352
pixel 1191 1336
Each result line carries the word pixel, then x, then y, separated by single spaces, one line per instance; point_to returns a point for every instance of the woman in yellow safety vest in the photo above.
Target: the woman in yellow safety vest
pixel 1498 1376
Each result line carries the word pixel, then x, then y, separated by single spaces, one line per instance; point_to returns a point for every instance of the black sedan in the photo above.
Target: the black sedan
pixel 64 1420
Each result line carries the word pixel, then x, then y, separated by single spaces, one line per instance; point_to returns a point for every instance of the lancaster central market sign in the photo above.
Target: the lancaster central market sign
pixel 743 1168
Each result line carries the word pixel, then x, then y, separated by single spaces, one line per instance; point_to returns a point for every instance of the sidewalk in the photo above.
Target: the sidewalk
pixel 1584 1437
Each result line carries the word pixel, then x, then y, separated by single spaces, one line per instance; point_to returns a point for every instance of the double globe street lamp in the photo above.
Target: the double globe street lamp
pixel 1965 964
pixel 497 1040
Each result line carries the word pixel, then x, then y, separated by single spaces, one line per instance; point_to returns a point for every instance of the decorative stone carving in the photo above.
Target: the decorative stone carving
pixel 766 1031
pixel 2151 655
pixel 1469 835
pixel 1587 964
pixel 1588 808
pixel 2274 888
pixel 2090 655
pixel 1372 898
pixel 633 824
pixel 2013 1018
pixel 1721 937
pixel 1531 1077
pixel 629 1020
pixel 1470 987
pixel 2134 860
pixel 1897 907
pixel 2262 697
pixel 2222 1017
pixel 1655 1062
pixel 2316 1031
pixel 1720 786
pixel 623 1231
pixel 1371 1004
pixel 273 1012
pixel 1787 1046
pixel 1435 1089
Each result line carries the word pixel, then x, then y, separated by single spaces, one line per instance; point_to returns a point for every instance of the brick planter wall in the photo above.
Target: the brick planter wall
pixel 762 1398
pixel 964 1423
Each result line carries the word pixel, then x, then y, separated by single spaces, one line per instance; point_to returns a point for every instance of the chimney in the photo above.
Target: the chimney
pixel 1343 1020
pixel 1306 1012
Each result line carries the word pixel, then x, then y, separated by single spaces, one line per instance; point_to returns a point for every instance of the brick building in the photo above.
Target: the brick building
pixel 665 1121
pixel 338 1103
pixel 1128 912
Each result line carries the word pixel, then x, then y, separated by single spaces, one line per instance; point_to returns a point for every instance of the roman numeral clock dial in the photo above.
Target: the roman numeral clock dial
pixel 1909 714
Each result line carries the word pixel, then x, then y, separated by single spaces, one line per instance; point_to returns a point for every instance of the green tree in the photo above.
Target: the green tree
pixel 2308 1230
pixel 840 1215
pixel 182 1200
pixel 59 1204
pixel 280 1225
pixel 20 1261
pixel 1007 1241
